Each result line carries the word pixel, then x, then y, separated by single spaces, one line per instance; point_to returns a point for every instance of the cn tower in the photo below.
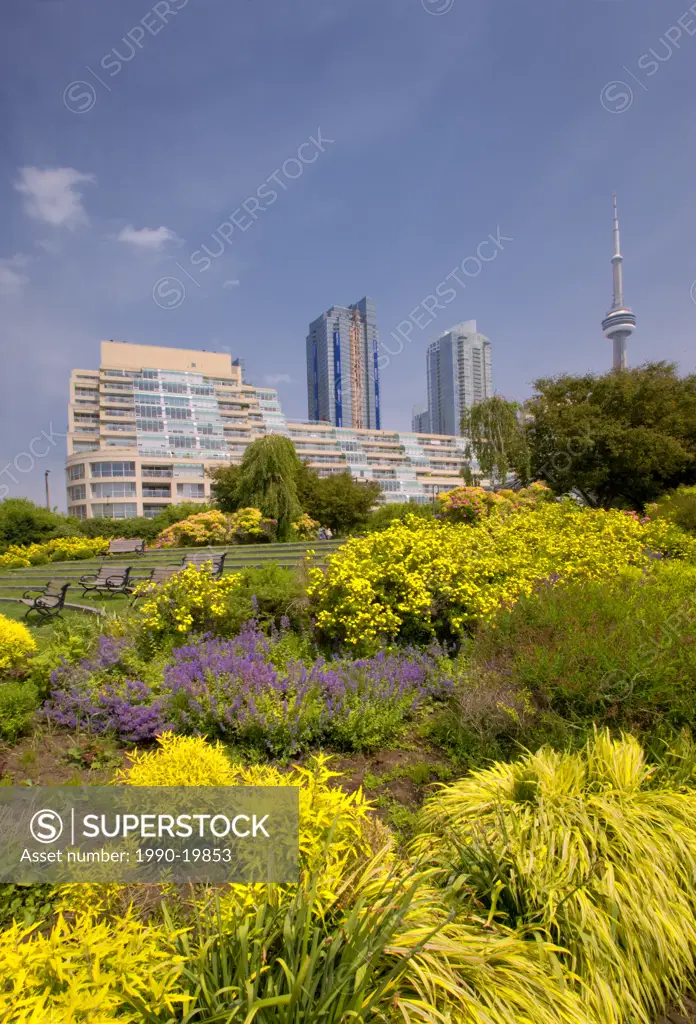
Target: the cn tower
pixel 619 323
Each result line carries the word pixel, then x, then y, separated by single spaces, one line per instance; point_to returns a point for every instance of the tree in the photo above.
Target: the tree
pixel 338 501
pixel 620 439
pixel 224 487
pixel 23 522
pixel 497 439
pixel 267 480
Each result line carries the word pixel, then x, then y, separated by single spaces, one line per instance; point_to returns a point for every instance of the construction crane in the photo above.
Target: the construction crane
pixel 357 369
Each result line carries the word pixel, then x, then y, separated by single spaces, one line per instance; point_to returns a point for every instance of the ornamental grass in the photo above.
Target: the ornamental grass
pixel 590 850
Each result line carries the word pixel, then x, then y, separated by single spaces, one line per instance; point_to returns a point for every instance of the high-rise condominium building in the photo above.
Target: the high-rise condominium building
pixel 145 427
pixel 420 419
pixel 458 368
pixel 342 370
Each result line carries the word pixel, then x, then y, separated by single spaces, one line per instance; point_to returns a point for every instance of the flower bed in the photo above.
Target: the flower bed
pixel 245 691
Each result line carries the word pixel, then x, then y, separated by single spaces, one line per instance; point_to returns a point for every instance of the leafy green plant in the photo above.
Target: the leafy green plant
pixel 26 904
pixel 619 651
pixel 18 703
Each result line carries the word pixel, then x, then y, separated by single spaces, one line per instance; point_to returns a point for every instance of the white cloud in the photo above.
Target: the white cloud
pixel 232 283
pixel 146 238
pixel 48 245
pixel 51 195
pixel 272 379
pixel 11 280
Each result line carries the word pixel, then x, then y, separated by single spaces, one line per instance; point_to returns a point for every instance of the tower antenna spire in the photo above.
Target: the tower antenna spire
pixel 619 323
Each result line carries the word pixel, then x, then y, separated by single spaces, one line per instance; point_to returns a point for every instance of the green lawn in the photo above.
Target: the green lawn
pixel 13 582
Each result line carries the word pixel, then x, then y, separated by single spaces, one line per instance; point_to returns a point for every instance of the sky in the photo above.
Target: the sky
pixel 347 148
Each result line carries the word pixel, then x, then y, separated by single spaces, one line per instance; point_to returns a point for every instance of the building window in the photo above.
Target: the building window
pixel 150 511
pixel 76 472
pixel 195 469
pixel 114 490
pixel 123 510
pixel 112 468
pixel 153 491
pixel 153 471
pixel 79 511
pixel 77 493
pixel 190 490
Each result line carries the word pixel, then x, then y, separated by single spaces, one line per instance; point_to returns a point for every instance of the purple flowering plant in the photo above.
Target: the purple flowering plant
pixel 253 690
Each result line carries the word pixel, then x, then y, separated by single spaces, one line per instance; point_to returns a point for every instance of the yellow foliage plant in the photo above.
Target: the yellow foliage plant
pixel 88 971
pixel 16 643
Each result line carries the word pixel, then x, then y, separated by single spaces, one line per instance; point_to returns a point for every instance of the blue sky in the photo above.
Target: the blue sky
pixel 131 131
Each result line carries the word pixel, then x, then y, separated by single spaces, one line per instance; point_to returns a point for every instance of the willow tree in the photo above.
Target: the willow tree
pixel 496 438
pixel 267 480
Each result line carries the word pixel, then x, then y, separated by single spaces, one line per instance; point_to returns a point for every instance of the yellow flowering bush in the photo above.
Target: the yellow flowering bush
pixel 469 504
pixel 88 971
pixel 423 578
pixel 216 527
pixel 190 600
pixel 16 643
pixel 200 529
pixel 61 549
pixel 304 527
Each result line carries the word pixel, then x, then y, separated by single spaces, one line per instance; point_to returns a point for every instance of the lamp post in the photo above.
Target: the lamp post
pixel 48 495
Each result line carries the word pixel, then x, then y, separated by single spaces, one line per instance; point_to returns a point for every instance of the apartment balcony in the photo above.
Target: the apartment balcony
pixel 156 492
pixel 164 471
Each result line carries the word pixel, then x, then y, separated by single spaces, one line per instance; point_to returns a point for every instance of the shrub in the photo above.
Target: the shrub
pixel 588 848
pixel 620 651
pixel 63 549
pixel 65 642
pixel 18 702
pixel 16 643
pixel 418 580
pixel 189 601
pixel 215 527
pixel 304 527
pixel 22 522
pixel 387 515
pixel 678 507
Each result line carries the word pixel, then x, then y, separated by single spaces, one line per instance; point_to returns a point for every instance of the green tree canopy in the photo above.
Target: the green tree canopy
pixel 223 488
pixel 620 439
pixel 267 480
pixel 338 501
pixel 497 439
pixel 23 522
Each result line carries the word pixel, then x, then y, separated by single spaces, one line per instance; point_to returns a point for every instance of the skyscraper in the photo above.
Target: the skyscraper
pixel 458 367
pixel 420 420
pixel 619 323
pixel 342 370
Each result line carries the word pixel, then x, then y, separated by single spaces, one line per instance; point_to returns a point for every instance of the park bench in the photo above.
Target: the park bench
pixel 109 580
pixel 48 601
pixel 201 557
pixel 160 574
pixel 134 546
